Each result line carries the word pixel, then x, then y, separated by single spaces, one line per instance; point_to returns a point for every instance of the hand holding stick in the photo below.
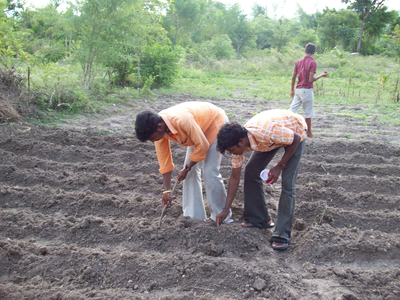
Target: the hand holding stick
pixel 163 210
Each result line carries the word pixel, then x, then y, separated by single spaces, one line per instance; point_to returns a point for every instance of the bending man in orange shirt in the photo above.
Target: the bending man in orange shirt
pixel 194 125
pixel 265 134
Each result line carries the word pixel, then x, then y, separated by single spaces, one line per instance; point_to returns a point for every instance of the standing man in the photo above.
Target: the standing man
pixel 305 70
pixel 264 134
pixel 194 125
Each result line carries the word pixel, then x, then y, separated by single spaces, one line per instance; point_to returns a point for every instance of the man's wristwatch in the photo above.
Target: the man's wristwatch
pixel 187 167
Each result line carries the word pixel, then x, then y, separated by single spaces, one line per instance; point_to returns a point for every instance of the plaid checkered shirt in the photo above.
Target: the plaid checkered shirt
pixel 271 129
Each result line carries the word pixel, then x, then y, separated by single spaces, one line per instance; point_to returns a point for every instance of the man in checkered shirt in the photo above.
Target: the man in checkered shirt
pixel 264 134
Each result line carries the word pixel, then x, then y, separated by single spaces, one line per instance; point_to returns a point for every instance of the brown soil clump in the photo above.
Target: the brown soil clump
pixel 80 210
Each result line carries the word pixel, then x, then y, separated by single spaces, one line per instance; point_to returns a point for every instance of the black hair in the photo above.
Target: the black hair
pixel 146 124
pixel 229 135
pixel 310 48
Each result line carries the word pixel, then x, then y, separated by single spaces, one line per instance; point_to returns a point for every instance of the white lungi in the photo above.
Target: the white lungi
pixel 192 195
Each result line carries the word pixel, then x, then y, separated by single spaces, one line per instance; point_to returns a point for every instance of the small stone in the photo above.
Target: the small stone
pixel 340 273
pixel 246 295
pixel 299 225
pixel 259 284
pixel 211 249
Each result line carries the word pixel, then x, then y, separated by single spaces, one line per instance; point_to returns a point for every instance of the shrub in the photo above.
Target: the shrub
pixel 160 63
pixel 221 47
pixel 53 53
pixel 56 88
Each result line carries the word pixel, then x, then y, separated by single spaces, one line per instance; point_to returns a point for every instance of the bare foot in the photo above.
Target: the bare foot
pixel 247 224
pixel 310 135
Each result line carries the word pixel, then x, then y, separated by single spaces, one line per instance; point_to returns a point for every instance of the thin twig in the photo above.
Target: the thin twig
pixel 324 169
pixel 323 214
pixel 93 110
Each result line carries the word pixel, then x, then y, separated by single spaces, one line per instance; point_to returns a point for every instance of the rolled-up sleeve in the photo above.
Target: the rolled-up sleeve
pixel 237 161
pixel 164 156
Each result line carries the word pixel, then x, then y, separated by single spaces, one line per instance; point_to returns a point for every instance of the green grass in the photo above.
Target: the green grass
pixel 352 80
pixel 264 75
pixel 351 115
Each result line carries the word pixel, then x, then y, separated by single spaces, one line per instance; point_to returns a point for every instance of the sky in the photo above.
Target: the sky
pixel 275 8
pixel 288 8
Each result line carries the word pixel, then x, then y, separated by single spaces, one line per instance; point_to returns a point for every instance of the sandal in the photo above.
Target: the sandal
pixel 283 246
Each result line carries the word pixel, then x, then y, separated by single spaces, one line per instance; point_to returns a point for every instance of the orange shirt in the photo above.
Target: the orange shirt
pixel 191 124
pixel 271 129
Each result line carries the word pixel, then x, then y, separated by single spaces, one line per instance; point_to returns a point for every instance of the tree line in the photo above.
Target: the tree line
pixel 140 42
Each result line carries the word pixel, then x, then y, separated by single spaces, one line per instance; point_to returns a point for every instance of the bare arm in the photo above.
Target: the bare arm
pixel 289 150
pixel 312 79
pixel 294 76
pixel 166 198
pixel 183 173
pixel 233 185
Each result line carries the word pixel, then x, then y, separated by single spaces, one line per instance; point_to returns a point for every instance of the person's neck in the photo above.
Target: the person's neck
pixel 247 142
pixel 166 129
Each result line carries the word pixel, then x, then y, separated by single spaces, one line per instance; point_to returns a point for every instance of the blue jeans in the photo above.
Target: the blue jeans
pixel 255 207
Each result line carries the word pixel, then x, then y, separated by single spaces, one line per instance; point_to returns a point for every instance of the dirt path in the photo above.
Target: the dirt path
pixel 80 208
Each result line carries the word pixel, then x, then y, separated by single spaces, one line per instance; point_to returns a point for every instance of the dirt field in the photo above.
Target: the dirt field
pixel 80 212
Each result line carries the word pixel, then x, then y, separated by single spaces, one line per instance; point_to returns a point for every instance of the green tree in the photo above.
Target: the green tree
pixel 96 25
pixel 263 28
pixel 375 28
pixel 306 36
pixel 306 20
pixel 235 24
pixel 257 10
pixel 337 28
pixel 48 31
pixel 394 22
pixel 396 47
pixel 12 52
pixel 365 9
pixel 219 47
pixel 133 38
pixel 182 20
pixel 160 64
pixel 274 33
pixel 197 21
pixel 14 7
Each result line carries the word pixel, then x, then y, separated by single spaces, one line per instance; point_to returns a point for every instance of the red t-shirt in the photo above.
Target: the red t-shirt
pixel 303 68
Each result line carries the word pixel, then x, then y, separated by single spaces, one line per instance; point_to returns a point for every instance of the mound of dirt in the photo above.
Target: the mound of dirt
pixel 14 99
pixel 80 212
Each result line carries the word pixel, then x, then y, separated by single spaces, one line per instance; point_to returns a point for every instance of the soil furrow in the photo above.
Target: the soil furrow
pixel 80 215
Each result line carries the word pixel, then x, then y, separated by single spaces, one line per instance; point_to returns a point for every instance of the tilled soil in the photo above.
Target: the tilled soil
pixel 80 215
